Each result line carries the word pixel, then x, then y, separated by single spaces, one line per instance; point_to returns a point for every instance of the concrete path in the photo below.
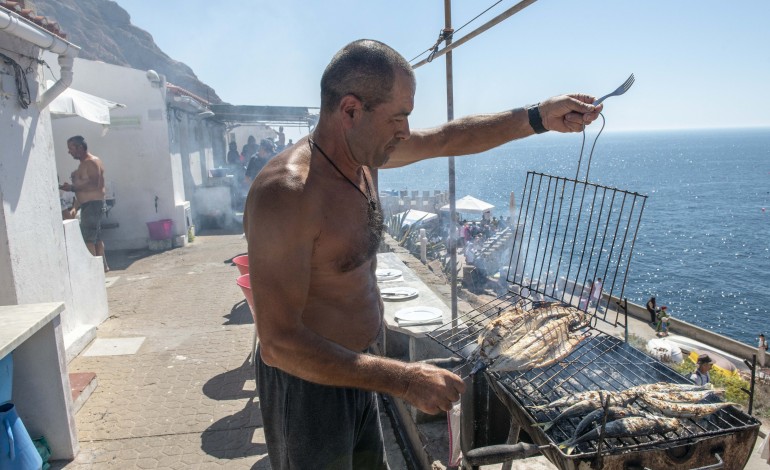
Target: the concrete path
pixel 175 389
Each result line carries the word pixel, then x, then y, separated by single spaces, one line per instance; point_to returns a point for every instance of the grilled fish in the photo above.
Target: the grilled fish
pixel 613 413
pixel 667 387
pixel 685 410
pixel 554 353
pixel 506 330
pixel 587 406
pixel 626 427
pixel 684 396
pixel 541 345
pixel 574 398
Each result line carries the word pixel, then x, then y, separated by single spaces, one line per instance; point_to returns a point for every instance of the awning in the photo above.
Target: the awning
pixel 413 216
pixel 470 204
pixel 72 102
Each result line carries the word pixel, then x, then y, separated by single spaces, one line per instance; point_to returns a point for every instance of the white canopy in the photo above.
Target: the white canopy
pixel 413 216
pixel 470 204
pixel 72 102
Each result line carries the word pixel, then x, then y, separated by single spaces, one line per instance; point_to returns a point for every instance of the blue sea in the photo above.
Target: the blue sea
pixel 703 246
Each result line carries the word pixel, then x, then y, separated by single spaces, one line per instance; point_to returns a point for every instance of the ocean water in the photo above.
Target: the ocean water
pixel 703 247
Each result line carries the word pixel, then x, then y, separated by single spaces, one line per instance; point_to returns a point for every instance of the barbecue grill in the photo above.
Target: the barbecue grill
pixel 568 233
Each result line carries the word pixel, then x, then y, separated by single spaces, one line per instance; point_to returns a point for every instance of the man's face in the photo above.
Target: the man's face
pixel 77 151
pixel 381 129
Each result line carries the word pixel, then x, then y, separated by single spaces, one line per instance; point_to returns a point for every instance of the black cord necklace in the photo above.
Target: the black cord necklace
pixel 369 198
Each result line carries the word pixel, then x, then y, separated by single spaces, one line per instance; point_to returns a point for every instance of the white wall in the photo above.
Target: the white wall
pixel 33 255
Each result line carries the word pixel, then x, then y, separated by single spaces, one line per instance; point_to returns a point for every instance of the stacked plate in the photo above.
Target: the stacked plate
pixel 415 316
pixel 396 294
pixel 387 274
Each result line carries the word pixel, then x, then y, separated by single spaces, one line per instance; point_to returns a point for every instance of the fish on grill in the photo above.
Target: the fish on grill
pixel 684 396
pixel 626 427
pixel 613 413
pixel 575 398
pixel 684 410
pixel 506 330
pixel 617 399
pixel 667 387
pixel 543 346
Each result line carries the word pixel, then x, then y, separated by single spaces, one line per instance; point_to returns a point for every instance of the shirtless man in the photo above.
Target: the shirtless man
pixel 88 186
pixel 314 225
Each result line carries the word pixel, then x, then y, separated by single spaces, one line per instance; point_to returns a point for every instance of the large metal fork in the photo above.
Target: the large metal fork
pixel 619 91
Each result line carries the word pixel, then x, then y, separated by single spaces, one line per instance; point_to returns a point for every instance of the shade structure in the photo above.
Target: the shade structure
pixel 72 102
pixel 470 204
pixel 413 216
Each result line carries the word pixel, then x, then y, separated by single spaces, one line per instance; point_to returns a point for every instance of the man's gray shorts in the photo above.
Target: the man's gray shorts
pixel 311 426
pixel 91 220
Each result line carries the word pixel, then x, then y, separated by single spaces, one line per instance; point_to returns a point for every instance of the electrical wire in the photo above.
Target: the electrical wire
pixel 444 35
pixel 22 85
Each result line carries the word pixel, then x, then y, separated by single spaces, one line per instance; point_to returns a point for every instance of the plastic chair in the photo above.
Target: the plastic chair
pixel 244 283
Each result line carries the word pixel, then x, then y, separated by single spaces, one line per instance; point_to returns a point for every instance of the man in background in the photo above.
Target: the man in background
pixel 88 186
pixel 701 375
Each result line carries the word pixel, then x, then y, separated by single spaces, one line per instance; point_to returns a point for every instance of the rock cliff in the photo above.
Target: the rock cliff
pixel 103 31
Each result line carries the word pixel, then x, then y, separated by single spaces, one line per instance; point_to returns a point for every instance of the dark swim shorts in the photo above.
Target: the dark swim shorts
pixel 91 220
pixel 311 426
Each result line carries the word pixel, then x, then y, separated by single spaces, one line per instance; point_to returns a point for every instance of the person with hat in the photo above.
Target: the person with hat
pixel 663 318
pixel 761 350
pixel 701 375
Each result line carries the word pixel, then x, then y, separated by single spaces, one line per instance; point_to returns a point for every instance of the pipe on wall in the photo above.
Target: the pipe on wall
pixel 19 27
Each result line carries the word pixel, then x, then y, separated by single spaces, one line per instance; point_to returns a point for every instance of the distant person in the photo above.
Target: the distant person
pixel 761 350
pixel 250 149
pixel 88 186
pixel 233 157
pixel 291 142
pixel 652 308
pixel 701 375
pixel 663 318
pixel 281 139
pixel 596 293
pixel 257 162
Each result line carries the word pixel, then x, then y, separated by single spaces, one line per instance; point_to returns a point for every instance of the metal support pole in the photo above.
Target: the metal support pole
pixel 753 366
pixel 450 111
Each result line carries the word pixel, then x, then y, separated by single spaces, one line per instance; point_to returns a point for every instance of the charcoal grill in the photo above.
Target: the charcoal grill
pixel 568 233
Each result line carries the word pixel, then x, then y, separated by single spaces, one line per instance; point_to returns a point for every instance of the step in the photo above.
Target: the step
pixel 82 385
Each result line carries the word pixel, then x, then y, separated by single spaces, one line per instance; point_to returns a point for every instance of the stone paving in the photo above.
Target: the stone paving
pixel 186 399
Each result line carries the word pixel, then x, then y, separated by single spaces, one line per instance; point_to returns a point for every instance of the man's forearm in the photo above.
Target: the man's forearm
pixel 481 132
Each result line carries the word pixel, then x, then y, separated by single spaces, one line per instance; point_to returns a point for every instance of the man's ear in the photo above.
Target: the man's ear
pixel 350 108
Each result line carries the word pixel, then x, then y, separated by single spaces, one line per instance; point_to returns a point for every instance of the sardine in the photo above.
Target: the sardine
pixel 667 386
pixel 684 410
pixel 587 406
pixel 574 398
pixel 626 427
pixel 683 396
pixel 554 353
pixel 613 413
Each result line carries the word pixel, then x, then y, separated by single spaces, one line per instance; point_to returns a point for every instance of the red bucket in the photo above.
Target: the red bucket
pixel 160 229
pixel 242 262
pixel 245 284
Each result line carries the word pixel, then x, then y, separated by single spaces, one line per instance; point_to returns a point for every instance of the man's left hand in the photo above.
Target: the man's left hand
pixel 569 113
pixel 66 187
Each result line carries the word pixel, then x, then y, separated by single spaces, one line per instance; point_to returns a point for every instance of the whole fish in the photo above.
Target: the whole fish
pixel 667 387
pixel 510 327
pixel 626 427
pixel 574 398
pixel 685 410
pixel 683 396
pixel 536 345
pixel 553 353
pixel 613 413
pixel 587 406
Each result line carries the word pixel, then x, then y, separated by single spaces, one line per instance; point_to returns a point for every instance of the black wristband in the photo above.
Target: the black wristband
pixel 535 120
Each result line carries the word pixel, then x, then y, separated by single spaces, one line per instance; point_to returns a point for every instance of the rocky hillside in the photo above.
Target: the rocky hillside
pixel 103 31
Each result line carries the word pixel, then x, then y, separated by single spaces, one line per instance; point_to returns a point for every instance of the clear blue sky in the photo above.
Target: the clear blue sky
pixel 698 64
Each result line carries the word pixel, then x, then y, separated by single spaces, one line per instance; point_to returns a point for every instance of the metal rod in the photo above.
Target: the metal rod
pixel 494 21
pixel 450 112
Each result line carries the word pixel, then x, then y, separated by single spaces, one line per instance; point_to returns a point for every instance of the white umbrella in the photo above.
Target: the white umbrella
pixel 413 216
pixel 470 204
pixel 72 102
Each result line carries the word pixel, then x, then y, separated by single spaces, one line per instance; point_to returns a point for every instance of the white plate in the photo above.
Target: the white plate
pixel 418 315
pixel 399 293
pixel 387 274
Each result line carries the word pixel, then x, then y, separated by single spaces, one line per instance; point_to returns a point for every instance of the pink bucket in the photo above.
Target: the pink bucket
pixel 160 229
pixel 242 262
pixel 245 284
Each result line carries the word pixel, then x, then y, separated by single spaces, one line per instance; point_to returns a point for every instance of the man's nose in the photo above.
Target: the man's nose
pixel 404 132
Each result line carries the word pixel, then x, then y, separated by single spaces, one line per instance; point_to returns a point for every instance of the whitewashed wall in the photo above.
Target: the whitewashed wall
pixel 34 266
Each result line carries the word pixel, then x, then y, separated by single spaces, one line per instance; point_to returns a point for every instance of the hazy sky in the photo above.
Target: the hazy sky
pixel 698 64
